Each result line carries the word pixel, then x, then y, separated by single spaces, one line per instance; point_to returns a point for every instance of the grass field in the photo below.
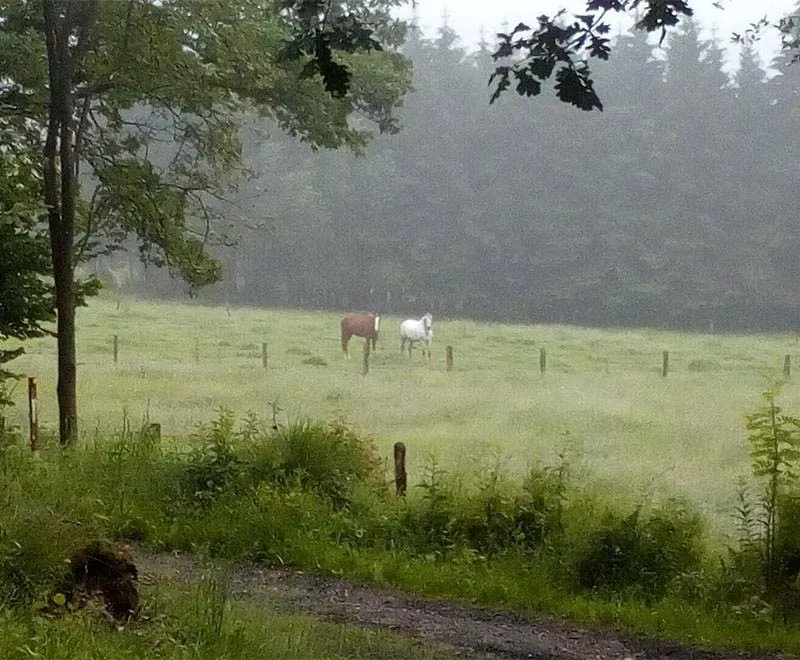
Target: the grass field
pixel 629 430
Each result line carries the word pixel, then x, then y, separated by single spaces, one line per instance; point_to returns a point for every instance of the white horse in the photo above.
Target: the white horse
pixel 417 331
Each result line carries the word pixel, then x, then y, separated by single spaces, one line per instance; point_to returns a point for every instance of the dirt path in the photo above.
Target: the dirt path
pixel 476 633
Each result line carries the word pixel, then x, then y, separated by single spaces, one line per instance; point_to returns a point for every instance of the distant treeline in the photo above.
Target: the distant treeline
pixel 676 207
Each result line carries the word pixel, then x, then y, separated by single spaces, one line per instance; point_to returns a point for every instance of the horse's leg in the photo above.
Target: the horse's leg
pixel 374 340
pixel 402 344
pixel 345 340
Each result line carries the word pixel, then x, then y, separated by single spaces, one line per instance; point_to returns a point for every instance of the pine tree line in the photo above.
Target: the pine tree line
pixel 675 207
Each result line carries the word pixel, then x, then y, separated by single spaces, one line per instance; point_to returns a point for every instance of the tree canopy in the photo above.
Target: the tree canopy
pixel 139 103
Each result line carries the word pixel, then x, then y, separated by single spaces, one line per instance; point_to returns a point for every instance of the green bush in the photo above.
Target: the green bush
pixel 641 555
pixel 213 465
pixel 329 459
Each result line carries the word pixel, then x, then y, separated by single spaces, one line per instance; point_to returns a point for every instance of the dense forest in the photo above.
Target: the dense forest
pixel 675 207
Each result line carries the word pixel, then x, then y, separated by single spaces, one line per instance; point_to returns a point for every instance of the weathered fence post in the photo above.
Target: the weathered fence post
pixel 448 351
pixel 33 413
pixel 787 365
pixel 400 476
pixel 116 349
pixel 664 364
pixel 542 360
pixel 365 367
pixel 2 428
pixel 264 355
pixel 154 432
pixel 196 350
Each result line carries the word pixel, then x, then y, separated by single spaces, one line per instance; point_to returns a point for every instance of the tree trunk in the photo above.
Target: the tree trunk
pixel 67 32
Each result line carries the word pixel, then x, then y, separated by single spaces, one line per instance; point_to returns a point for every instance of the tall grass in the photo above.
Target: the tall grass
pixel 310 495
pixel 637 432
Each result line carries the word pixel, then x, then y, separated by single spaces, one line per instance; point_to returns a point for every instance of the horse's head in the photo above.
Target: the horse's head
pixel 377 325
pixel 427 321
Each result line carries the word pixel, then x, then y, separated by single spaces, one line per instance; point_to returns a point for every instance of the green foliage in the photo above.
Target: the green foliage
pixel 641 554
pixel 185 74
pixel 775 449
pixel 329 459
pixel 762 572
pixel 26 300
pixel 213 465
pixel 564 49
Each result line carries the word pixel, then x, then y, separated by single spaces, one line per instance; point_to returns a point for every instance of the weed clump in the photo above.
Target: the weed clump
pixel 641 554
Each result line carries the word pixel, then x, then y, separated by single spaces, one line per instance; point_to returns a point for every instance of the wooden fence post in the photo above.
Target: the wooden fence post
pixel 542 360
pixel 33 413
pixel 449 357
pixel 116 349
pixel 787 365
pixel 154 432
pixel 365 367
pixel 400 476
pixel 264 355
pixel 196 350
pixel 664 364
pixel 2 428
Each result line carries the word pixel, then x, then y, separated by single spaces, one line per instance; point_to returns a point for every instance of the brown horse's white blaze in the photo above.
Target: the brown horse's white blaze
pixel 360 325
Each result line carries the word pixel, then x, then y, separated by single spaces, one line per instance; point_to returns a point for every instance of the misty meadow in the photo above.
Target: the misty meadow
pixel 201 202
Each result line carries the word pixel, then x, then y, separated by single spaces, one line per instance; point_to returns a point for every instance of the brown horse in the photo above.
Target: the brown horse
pixel 360 325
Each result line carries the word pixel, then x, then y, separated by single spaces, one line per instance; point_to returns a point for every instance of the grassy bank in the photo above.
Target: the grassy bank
pixel 314 496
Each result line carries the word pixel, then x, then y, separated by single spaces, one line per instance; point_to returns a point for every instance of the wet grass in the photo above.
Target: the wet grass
pixel 602 393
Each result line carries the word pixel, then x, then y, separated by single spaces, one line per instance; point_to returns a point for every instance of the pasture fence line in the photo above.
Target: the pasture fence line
pixel 400 475
pixel 604 363
pixel 33 413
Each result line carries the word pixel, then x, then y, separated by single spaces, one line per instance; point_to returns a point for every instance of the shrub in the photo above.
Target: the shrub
pixel 213 465
pixel 641 555
pixel 430 525
pixel 329 459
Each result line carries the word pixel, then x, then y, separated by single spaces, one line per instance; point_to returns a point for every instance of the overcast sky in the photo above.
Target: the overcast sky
pixel 469 17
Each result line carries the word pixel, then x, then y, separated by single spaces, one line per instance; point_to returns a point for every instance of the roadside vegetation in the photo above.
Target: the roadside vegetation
pixel 315 495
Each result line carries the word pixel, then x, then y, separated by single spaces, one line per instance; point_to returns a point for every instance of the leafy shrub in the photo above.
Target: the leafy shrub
pixel 431 525
pixel 538 515
pixel 329 459
pixel 213 466
pixel 641 555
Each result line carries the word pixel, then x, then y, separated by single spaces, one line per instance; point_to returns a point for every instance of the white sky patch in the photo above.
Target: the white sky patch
pixel 471 18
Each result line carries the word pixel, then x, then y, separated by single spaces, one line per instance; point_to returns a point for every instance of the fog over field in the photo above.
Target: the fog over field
pixel 672 208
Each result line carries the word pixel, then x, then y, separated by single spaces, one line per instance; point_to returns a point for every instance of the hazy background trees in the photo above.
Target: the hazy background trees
pixel 675 207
